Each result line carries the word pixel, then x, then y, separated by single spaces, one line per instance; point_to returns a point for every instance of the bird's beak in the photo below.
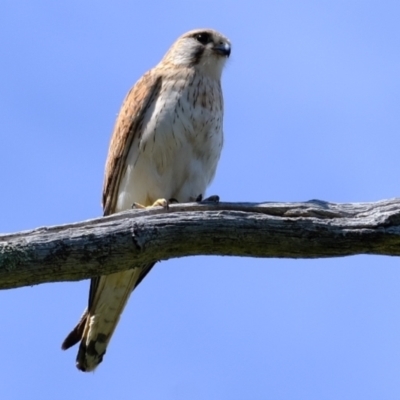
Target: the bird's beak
pixel 223 49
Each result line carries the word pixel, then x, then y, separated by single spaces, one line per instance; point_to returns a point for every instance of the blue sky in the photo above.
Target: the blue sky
pixel 312 96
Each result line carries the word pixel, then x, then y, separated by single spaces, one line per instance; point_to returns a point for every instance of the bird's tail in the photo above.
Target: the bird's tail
pixel 98 323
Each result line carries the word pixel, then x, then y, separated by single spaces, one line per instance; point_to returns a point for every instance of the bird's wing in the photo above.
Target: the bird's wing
pixel 127 127
pixel 109 294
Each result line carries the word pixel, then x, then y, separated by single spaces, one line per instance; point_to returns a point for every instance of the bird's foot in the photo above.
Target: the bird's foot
pixel 158 203
pixel 209 199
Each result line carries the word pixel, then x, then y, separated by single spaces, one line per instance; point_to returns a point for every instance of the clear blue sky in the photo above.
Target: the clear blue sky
pixel 312 96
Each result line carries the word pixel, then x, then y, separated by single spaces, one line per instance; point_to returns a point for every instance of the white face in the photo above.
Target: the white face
pixel 203 49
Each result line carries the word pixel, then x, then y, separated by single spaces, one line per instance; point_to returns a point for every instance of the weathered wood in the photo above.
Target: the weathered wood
pixel 292 230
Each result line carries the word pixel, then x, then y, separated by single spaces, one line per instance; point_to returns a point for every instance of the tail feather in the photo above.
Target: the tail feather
pixel 100 322
pixel 95 327
pixel 76 334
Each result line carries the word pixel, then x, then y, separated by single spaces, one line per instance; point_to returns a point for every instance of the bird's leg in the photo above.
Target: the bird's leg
pixel 158 203
pixel 210 199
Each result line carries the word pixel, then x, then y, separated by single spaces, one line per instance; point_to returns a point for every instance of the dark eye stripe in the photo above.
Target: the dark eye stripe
pixel 197 55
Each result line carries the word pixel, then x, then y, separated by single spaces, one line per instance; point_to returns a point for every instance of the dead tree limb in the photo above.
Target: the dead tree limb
pixel 286 230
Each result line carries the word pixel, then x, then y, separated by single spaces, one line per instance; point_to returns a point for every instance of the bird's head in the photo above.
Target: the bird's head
pixel 203 49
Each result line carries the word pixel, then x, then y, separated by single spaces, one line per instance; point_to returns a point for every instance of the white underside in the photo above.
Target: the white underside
pixel 177 155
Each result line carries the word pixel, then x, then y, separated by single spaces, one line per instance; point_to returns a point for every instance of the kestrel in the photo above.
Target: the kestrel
pixel 166 144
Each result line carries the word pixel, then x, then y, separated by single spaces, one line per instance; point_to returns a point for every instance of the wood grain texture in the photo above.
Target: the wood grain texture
pixel 105 245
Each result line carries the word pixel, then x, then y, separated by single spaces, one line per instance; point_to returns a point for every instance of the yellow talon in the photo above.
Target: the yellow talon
pixel 158 203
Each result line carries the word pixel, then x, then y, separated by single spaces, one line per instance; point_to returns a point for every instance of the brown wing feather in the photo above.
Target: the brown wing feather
pixel 76 334
pixel 128 125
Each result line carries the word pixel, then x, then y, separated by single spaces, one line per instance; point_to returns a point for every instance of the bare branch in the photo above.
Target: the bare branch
pixel 106 245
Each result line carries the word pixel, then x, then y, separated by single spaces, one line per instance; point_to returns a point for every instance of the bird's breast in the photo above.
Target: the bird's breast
pixel 180 144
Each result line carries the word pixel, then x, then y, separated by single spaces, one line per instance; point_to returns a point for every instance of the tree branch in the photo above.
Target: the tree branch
pixel 105 245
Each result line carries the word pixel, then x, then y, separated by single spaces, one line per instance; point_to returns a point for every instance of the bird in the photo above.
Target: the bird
pixel 166 144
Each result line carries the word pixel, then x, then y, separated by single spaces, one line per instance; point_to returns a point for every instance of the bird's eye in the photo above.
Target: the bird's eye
pixel 203 38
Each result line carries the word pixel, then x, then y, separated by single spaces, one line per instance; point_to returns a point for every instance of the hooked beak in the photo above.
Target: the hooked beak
pixel 223 49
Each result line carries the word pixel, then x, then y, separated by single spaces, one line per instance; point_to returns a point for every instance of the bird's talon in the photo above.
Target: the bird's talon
pixel 160 203
pixel 211 199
